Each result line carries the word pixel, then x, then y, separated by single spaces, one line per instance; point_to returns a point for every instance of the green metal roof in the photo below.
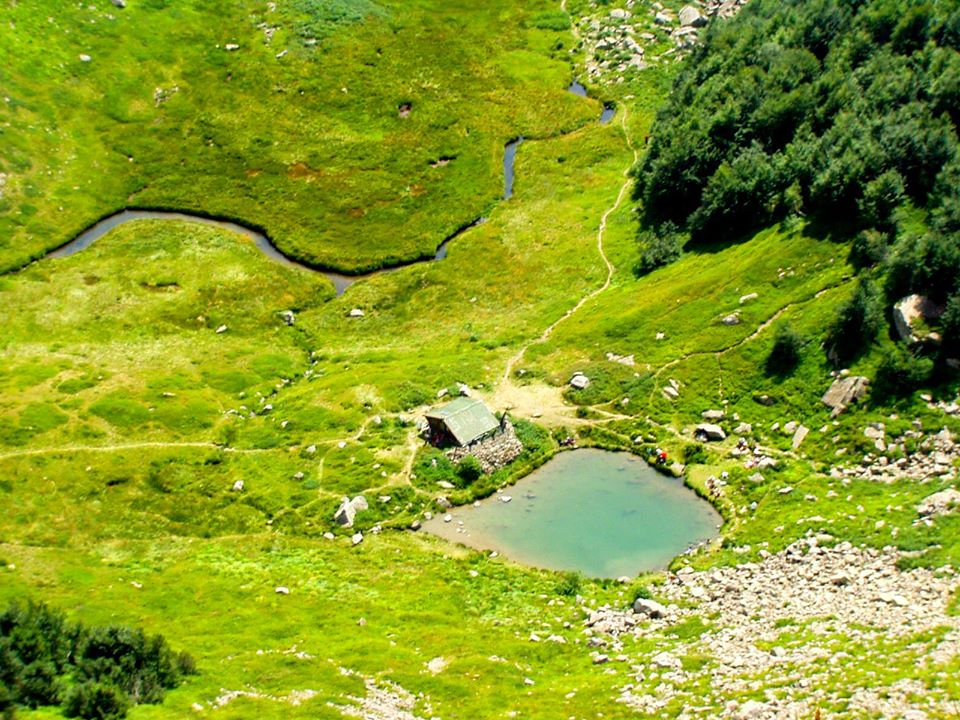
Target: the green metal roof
pixel 466 418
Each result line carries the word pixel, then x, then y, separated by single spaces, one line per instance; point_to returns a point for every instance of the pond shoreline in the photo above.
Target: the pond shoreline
pixel 601 512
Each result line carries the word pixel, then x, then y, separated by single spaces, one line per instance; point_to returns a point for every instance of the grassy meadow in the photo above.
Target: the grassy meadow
pixel 143 379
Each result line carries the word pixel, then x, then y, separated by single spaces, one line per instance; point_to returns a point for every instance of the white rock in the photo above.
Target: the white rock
pixel 356 313
pixel 282 590
pixel 650 608
pixel 220 330
pixel 356 538
pixel 667 661
pixel 238 486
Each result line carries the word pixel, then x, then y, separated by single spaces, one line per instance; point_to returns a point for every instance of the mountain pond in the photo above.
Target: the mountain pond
pixel 602 513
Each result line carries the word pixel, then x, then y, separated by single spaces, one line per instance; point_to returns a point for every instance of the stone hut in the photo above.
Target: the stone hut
pixel 460 423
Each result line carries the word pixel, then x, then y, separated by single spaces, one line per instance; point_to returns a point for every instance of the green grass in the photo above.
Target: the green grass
pixel 126 419
pixel 321 160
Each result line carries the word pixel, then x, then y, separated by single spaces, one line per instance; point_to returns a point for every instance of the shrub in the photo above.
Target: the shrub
pixel 569 584
pixel 469 469
pixel 7 706
pixel 900 373
pixel 658 248
pixel 880 198
pixel 857 323
pixel 694 455
pixel 95 672
pixel 786 351
pixel 95 701
pixel 869 248
pixel 950 327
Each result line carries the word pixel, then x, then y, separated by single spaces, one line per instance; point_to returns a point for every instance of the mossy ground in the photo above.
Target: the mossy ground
pixel 126 419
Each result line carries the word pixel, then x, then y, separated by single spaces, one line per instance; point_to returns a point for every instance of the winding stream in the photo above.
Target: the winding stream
pixel 341 281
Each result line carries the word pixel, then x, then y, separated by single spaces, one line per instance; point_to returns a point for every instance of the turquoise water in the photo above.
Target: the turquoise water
pixel 603 513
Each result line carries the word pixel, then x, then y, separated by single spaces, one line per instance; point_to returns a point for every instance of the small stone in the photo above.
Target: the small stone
pixel 238 486
pixel 356 538
pixel 85 58
pixel 282 590
pixel 356 313
pixel 220 330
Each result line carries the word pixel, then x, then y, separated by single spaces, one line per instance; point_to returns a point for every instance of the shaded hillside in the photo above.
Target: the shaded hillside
pixel 844 113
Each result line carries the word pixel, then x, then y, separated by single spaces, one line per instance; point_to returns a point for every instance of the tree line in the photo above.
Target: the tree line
pixel 91 672
pixel 840 112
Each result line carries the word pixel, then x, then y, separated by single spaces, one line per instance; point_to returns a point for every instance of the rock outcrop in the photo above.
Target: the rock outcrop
pixel 493 452
pixel 843 392
pixel 910 313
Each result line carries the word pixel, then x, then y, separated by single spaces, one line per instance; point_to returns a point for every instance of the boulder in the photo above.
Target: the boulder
pixel 650 608
pixel 670 392
pixel 799 436
pixel 691 17
pixel 360 503
pixel 910 312
pixel 85 58
pixel 709 432
pixel 940 503
pixel 732 319
pixel 751 710
pixel 356 538
pixel 712 415
pixel 619 14
pixel 288 317
pixel 579 381
pixel 356 313
pixel 666 661
pixel 238 486
pixel 345 513
pixel 119 3
pixel 282 590
pixel 220 330
pixel 662 19
pixel 748 297
pixel 844 391
pixel 743 428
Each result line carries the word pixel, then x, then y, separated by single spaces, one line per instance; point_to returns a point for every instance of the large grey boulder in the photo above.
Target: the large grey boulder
pixel 844 391
pixel 709 431
pixel 691 17
pixel 940 503
pixel 799 436
pixel 345 513
pixel 909 312
pixel 579 381
pixel 712 414
pixel 650 608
